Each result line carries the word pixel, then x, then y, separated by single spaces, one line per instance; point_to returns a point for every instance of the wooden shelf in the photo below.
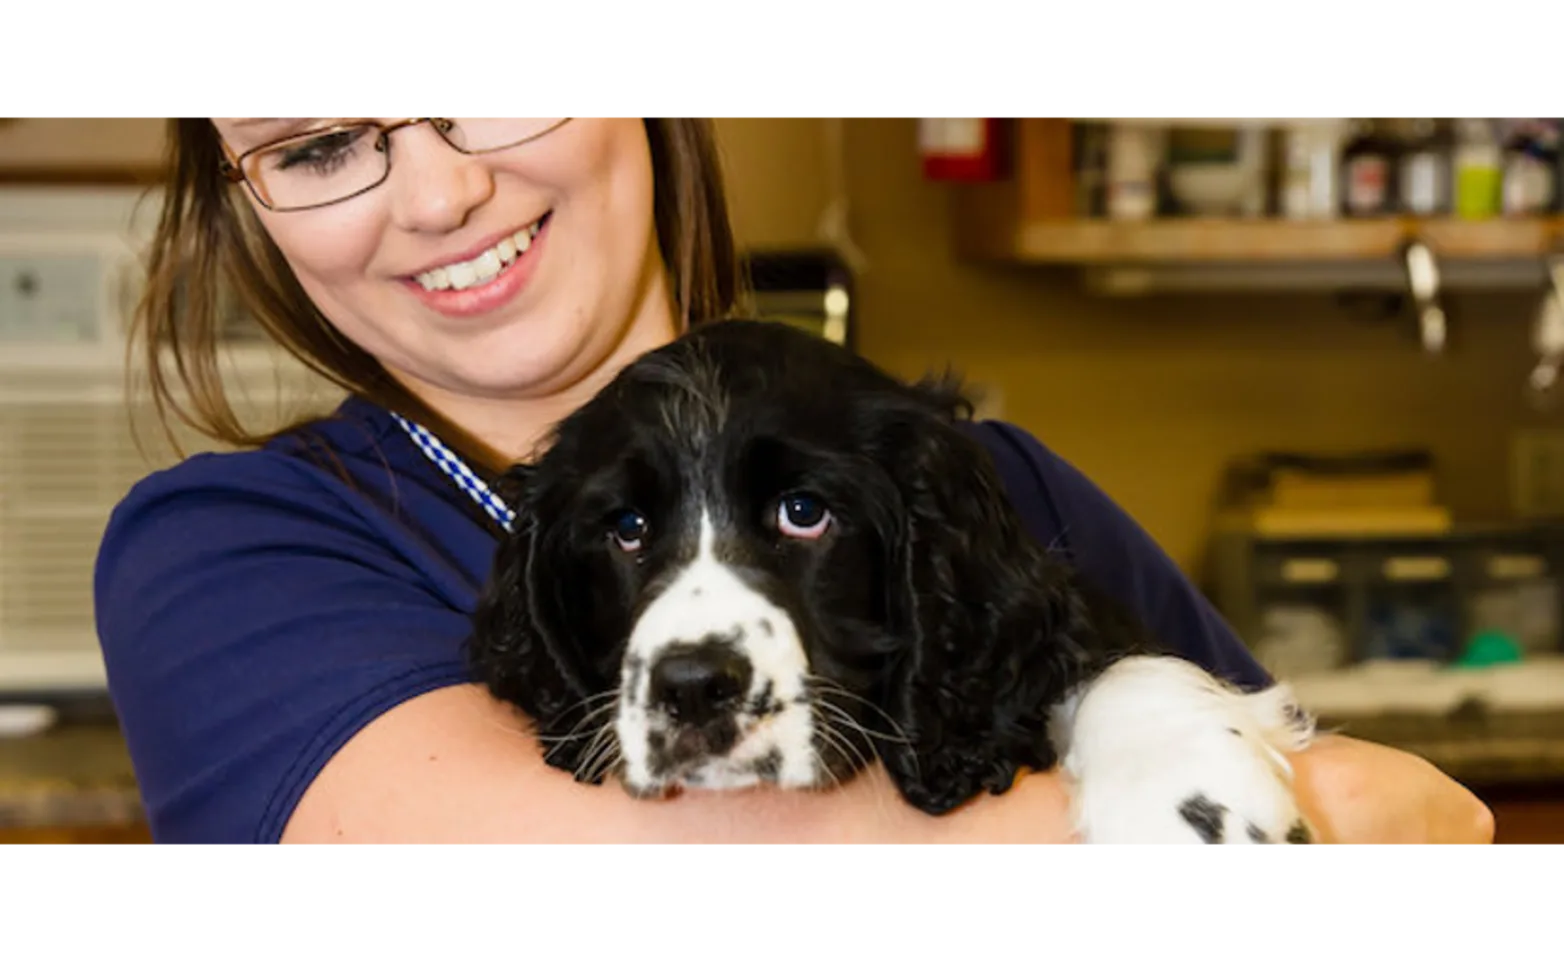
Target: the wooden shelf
pixel 1203 241
pixel 1028 218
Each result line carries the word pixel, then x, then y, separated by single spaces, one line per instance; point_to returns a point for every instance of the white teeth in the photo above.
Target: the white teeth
pixel 484 267
pixel 487 266
pixel 463 275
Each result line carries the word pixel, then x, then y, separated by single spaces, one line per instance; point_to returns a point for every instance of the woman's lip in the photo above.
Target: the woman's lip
pixel 476 250
pixel 493 293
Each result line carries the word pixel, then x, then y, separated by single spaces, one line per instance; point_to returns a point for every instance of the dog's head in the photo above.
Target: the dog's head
pixel 754 557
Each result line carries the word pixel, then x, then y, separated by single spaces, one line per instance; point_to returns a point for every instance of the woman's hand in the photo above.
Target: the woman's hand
pixel 1355 791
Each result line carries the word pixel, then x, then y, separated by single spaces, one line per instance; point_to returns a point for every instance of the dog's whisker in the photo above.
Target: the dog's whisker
pixel 825 766
pixel 573 734
pixel 587 771
pixel 871 772
pixel 825 686
pixel 605 744
pixel 593 700
pixel 607 758
pixel 609 700
pixel 833 738
pixel 872 735
pixel 596 734
pixel 865 763
pixel 832 686
pixel 850 721
pixel 829 733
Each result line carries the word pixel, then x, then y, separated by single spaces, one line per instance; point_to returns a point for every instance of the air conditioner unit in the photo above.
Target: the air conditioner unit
pixel 75 432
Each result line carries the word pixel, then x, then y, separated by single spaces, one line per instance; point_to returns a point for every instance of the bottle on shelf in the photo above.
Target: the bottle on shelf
pixel 1090 145
pixel 1367 171
pixel 1423 176
pixel 1477 169
pixel 1311 155
pixel 1530 168
pixel 1135 155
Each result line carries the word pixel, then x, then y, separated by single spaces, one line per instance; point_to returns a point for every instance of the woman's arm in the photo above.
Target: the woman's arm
pixel 456 766
pixel 1356 791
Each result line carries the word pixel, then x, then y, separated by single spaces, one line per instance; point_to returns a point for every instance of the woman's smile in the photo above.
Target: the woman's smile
pixel 485 280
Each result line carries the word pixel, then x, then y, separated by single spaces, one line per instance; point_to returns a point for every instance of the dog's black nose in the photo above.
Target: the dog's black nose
pixel 700 682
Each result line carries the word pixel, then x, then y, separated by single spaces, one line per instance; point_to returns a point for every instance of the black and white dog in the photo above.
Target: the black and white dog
pixel 756 558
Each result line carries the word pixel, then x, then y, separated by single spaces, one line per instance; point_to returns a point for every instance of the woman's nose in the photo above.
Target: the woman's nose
pixel 434 187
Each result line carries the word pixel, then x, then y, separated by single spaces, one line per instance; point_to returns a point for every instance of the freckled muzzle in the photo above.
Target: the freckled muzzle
pixel 713 690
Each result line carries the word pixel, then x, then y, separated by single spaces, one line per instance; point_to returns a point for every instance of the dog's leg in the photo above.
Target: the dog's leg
pixel 1159 751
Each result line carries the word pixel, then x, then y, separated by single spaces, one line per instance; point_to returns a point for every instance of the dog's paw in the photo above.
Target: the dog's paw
pixel 1158 751
pixel 1213 821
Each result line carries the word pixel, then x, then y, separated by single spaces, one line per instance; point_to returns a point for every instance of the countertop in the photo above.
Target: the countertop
pixel 1476 748
pixel 1497 725
pixel 76 774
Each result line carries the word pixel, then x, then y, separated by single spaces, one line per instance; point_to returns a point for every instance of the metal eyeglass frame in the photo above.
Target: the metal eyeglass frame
pixel 233 166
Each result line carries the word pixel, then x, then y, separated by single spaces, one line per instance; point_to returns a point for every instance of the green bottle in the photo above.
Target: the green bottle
pixel 1478 170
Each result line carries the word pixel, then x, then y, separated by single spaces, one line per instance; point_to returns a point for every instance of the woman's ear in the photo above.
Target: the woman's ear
pixel 992 635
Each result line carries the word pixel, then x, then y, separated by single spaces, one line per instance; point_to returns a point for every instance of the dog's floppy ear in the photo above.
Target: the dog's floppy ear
pixel 519 647
pixel 991 636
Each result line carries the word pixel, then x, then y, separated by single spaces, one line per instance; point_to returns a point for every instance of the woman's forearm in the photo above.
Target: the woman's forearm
pixel 453 766
pixel 1356 791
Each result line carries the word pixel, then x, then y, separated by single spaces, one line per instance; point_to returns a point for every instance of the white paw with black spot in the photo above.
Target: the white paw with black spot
pixel 1158 751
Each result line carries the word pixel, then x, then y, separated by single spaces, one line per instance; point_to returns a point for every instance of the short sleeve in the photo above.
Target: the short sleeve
pixel 251 622
pixel 1070 514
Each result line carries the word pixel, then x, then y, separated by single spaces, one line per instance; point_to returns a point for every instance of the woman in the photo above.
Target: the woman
pixel 282 626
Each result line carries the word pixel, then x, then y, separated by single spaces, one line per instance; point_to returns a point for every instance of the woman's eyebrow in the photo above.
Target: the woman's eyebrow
pixel 249 121
pixel 255 119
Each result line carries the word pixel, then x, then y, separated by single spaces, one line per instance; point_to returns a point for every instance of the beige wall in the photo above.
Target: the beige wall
pixel 68 145
pixel 1150 397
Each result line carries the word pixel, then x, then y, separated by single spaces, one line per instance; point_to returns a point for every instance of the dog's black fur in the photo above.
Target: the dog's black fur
pixel 930 601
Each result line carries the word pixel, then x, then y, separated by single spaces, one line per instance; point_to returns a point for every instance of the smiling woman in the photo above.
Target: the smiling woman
pixel 284 626
pixel 331 232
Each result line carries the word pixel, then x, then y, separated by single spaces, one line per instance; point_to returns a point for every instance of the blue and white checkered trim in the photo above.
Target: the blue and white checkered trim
pixel 454 467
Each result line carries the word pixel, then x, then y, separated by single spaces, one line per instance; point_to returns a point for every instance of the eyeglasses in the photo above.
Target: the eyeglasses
pixel 337 163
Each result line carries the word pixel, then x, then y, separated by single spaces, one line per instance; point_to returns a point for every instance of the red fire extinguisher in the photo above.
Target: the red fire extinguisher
pixel 970 149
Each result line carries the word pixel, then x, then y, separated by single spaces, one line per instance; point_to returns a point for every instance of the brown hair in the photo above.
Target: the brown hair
pixel 209 247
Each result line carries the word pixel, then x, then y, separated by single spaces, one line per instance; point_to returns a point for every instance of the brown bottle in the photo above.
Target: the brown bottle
pixel 1367 172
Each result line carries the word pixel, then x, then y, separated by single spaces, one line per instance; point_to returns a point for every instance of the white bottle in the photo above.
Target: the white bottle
pixel 1424 177
pixel 1309 183
pixel 1134 154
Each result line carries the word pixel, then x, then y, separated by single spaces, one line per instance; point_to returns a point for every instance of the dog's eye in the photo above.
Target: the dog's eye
pixel 803 516
pixel 627 528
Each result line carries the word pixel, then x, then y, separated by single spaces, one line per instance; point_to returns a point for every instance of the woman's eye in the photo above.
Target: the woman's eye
pixel 628 529
pixel 802 516
pixel 319 155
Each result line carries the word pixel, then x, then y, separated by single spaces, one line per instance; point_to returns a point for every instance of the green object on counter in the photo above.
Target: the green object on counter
pixel 1489 648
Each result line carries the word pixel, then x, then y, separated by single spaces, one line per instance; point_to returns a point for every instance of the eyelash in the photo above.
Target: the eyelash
pixel 322 155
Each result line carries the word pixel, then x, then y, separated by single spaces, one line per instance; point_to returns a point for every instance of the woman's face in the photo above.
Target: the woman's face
pixel 589 290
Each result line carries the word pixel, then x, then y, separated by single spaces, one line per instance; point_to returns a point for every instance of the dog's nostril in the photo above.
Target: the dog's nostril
pixel 697 683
